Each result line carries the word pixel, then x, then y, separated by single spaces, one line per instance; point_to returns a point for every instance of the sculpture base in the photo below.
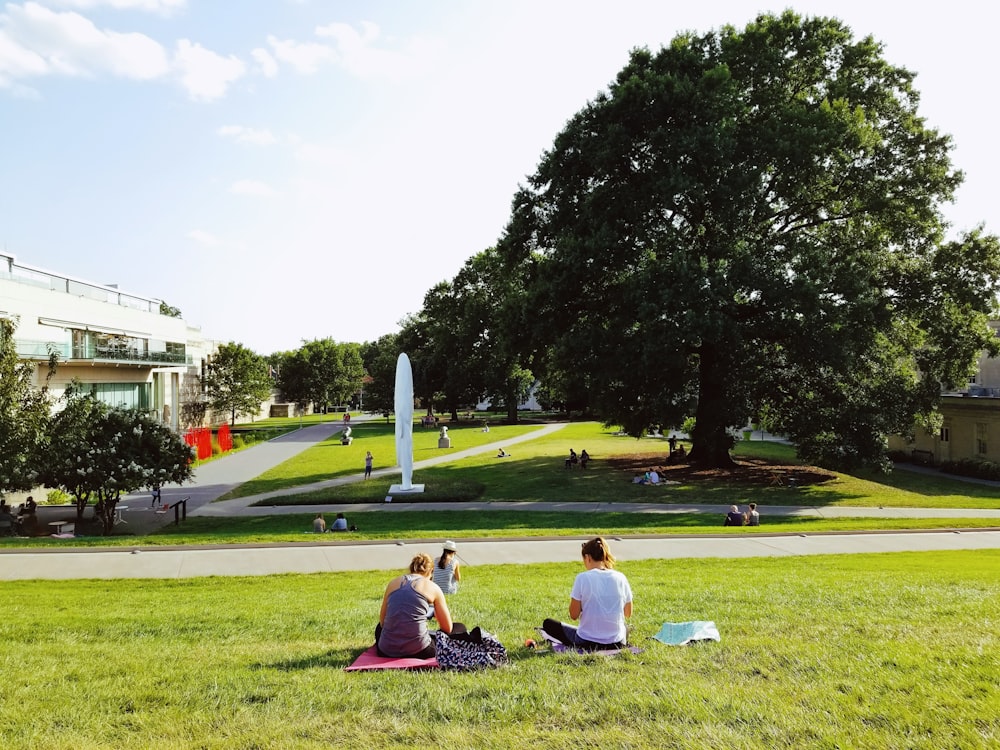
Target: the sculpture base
pixel 397 489
pixel 444 442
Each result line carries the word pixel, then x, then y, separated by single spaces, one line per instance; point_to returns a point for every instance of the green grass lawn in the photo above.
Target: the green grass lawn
pixel 873 651
pixel 535 472
pixel 466 524
pixel 331 459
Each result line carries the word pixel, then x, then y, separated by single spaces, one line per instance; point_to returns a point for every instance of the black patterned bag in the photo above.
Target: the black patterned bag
pixel 464 652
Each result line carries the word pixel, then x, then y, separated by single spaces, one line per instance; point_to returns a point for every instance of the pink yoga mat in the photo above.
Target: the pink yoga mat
pixel 371 660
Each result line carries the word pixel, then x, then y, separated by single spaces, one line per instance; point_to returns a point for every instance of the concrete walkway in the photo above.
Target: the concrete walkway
pixel 336 553
pixel 328 557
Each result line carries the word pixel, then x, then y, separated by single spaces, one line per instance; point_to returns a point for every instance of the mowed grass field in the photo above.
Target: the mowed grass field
pixel 874 651
pixel 535 472
pixel 866 651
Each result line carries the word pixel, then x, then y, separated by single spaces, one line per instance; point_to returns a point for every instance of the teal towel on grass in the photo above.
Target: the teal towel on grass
pixel 683 633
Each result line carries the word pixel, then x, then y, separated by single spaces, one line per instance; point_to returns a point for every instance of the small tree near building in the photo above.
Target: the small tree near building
pixel 237 381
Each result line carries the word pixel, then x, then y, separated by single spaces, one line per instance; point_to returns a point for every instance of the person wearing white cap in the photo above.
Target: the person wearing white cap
pixel 446 572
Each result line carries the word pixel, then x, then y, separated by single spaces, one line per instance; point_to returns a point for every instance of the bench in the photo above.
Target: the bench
pixel 924 458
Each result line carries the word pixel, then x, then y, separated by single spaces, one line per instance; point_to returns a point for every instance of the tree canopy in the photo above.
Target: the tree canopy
pixel 321 372
pixel 24 412
pixel 751 219
pixel 379 359
pixel 237 380
pixel 96 452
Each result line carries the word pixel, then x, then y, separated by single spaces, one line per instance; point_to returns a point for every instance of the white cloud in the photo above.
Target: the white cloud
pixel 206 239
pixel 248 135
pixel 304 57
pixel 205 74
pixel 156 6
pixel 251 187
pixel 352 49
pixel 361 57
pixel 266 63
pixel 36 41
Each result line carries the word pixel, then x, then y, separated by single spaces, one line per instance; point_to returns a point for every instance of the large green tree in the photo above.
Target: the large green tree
pixel 321 372
pixel 752 219
pixel 24 413
pixel 490 313
pixel 237 380
pixel 380 359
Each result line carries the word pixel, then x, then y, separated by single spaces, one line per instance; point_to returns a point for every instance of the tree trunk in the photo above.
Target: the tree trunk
pixel 710 441
pixel 105 512
pixel 512 408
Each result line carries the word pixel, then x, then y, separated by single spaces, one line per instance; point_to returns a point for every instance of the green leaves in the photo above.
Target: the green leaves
pixel 24 412
pixel 753 217
pixel 237 380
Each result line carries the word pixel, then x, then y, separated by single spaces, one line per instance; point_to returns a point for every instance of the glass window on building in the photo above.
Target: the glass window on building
pixel 125 395
pixel 945 434
pixel 982 437
pixel 176 352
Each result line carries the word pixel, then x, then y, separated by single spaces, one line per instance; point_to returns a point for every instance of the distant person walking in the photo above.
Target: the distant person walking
pixel 368 464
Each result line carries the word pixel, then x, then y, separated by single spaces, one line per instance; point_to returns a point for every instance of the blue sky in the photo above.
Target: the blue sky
pixel 285 170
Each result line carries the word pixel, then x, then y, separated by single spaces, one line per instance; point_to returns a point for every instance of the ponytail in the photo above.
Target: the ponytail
pixel 443 560
pixel 598 550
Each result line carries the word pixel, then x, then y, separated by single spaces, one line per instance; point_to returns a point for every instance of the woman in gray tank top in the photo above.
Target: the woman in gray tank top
pixel 402 623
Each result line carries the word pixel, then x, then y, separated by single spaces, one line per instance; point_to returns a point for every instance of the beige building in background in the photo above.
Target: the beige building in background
pixel 971 426
pixel 118 344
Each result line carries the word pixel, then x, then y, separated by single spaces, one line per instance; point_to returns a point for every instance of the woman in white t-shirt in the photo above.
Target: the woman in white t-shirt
pixel 601 600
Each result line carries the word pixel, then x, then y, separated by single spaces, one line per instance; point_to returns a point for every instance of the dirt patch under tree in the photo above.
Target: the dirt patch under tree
pixel 750 472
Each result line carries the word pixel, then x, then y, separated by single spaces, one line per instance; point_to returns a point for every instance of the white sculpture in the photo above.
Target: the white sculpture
pixel 404 422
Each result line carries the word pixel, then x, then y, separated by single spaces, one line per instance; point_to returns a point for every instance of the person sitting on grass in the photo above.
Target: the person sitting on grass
pixel 339 523
pixel 402 621
pixel 752 516
pixel 446 572
pixel 319 524
pixel 584 458
pixel 601 599
pixel 734 517
pixel 502 454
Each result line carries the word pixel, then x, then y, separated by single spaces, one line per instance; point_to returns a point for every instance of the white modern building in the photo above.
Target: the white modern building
pixel 120 345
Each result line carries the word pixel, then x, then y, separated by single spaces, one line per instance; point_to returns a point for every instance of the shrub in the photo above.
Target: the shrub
pixel 971 467
pixel 57 497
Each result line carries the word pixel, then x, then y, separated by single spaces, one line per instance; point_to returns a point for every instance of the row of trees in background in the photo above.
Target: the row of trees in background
pixel 320 374
pixel 747 222
pixel 88 449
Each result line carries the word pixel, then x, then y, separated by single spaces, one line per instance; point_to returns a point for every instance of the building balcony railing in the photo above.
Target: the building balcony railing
pixel 39 350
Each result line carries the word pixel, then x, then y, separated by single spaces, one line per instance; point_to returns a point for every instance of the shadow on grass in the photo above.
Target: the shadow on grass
pixel 335 658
